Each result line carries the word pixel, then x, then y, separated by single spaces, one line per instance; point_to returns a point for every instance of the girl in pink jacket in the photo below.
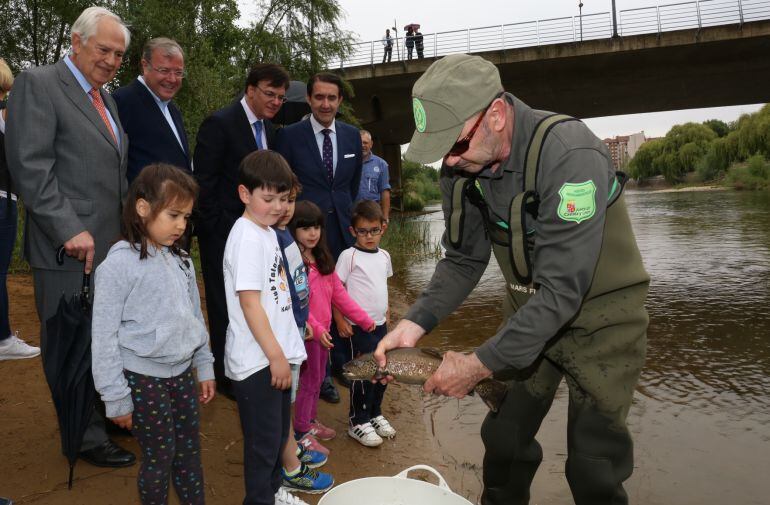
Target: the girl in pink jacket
pixel 326 290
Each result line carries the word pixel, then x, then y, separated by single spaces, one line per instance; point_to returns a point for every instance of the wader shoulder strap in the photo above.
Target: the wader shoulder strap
pixel 457 211
pixel 528 200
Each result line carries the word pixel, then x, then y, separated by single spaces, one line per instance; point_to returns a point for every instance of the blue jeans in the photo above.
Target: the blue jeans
pixel 8 216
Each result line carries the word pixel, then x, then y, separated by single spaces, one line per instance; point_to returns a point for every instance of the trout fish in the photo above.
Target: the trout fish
pixel 412 365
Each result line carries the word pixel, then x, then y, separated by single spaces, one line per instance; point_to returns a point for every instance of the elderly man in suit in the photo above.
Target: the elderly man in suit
pixel 148 113
pixel 67 154
pixel 327 157
pixel 224 139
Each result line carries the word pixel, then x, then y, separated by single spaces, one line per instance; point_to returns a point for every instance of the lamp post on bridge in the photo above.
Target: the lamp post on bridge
pixel 614 22
pixel 580 10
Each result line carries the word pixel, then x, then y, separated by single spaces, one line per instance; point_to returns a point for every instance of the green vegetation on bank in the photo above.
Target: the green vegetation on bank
pixel 410 238
pixel 736 153
pixel 420 185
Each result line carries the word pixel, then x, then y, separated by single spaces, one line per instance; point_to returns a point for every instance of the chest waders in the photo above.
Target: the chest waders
pixel 599 353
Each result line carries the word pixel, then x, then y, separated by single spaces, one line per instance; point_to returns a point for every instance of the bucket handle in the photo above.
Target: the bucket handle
pixel 441 482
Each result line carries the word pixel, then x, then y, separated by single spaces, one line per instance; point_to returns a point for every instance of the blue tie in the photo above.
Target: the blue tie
pixel 328 154
pixel 258 134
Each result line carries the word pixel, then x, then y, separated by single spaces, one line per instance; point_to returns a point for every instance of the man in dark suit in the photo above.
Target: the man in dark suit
pixel 147 111
pixel 327 157
pixel 67 155
pixel 224 139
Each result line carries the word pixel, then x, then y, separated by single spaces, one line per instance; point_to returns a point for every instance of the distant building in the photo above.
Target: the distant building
pixel 623 147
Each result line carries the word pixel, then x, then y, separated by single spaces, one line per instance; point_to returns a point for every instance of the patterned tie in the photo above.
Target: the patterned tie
pixel 328 154
pixel 99 104
pixel 258 134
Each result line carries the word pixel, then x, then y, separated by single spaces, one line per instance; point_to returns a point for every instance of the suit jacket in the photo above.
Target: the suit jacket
pixel 152 139
pixel 65 164
pixel 298 145
pixel 224 139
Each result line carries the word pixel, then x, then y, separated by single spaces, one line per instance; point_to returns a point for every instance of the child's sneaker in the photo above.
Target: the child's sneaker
pixel 365 434
pixel 15 348
pixel 313 459
pixel 309 443
pixel 283 497
pixel 320 431
pixel 383 427
pixel 307 480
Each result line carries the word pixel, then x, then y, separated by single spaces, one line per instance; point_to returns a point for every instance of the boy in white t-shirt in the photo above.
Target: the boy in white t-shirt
pixel 262 337
pixel 364 270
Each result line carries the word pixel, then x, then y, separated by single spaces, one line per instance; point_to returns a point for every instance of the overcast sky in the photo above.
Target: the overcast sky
pixel 367 19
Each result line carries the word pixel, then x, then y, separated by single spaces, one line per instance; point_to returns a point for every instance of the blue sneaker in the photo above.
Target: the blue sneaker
pixel 308 480
pixel 313 459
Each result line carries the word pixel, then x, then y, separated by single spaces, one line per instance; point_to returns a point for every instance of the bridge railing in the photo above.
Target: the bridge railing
pixel 661 18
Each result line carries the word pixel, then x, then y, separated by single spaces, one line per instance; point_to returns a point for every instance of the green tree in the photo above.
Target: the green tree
pixel 301 35
pixel 36 32
pixel 718 126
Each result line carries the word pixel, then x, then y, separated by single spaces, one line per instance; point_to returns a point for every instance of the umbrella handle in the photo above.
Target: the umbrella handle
pixel 60 255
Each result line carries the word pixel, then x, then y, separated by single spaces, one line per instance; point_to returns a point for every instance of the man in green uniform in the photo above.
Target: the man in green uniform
pixel 539 191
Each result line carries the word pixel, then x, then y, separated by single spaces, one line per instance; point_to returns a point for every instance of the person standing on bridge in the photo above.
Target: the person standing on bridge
pixel 540 192
pixel 387 43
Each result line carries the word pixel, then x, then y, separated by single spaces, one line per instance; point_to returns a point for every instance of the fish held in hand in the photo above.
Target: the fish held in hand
pixel 412 365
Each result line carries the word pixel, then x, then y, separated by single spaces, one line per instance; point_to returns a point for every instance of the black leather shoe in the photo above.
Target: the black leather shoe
pixel 109 454
pixel 329 392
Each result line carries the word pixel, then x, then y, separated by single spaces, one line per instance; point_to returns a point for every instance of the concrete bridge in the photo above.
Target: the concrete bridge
pixel 693 68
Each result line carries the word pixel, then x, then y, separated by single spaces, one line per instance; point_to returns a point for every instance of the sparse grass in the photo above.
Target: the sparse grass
pixel 410 238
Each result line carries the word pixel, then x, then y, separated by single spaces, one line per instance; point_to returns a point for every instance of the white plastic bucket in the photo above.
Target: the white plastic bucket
pixel 396 490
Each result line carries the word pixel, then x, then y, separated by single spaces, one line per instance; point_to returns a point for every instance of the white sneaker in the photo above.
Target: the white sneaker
pixel 15 348
pixel 383 427
pixel 283 497
pixel 365 435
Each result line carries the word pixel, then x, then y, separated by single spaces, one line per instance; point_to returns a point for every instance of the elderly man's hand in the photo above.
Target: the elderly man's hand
pixel 457 375
pixel 82 247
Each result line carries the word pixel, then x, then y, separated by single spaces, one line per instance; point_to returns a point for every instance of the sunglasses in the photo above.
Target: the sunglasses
pixel 464 143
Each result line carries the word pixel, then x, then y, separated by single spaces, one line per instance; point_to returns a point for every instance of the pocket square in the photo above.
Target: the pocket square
pixel 349 155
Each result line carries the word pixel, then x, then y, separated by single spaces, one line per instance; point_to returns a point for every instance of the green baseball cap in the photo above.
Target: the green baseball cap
pixel 452 90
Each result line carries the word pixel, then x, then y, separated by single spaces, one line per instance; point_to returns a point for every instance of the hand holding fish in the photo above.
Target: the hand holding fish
pixel 457 375
pixel 405 334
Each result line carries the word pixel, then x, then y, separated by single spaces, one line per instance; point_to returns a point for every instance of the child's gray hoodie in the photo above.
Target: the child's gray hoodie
pixel 146 319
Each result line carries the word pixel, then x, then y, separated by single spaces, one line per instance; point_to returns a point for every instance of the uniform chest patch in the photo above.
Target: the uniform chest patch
pixel 577 201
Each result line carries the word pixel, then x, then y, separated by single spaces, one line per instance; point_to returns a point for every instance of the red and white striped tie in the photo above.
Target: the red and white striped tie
pixel 99 104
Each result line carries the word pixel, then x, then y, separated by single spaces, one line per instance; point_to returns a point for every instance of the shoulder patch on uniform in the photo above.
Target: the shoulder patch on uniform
pixel 577 201
pixel 419 115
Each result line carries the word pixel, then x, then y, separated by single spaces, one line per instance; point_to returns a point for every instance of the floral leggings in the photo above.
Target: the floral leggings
pixel 165 423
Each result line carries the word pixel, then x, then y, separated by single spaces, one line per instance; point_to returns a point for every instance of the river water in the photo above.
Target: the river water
pixel 701 413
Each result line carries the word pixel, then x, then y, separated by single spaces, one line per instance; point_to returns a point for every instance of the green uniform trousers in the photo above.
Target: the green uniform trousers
pixel 601 370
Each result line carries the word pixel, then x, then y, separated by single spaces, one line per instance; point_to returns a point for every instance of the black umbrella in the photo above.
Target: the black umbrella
pixel 295 107
pixel 67 369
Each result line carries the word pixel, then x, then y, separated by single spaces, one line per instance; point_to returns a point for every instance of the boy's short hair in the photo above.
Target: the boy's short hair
pixel 367 209
pixel 265 169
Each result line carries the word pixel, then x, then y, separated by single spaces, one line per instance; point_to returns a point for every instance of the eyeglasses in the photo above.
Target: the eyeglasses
pixel 464 143
pixel 165 72
pixel 363 232
pixel 272 96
